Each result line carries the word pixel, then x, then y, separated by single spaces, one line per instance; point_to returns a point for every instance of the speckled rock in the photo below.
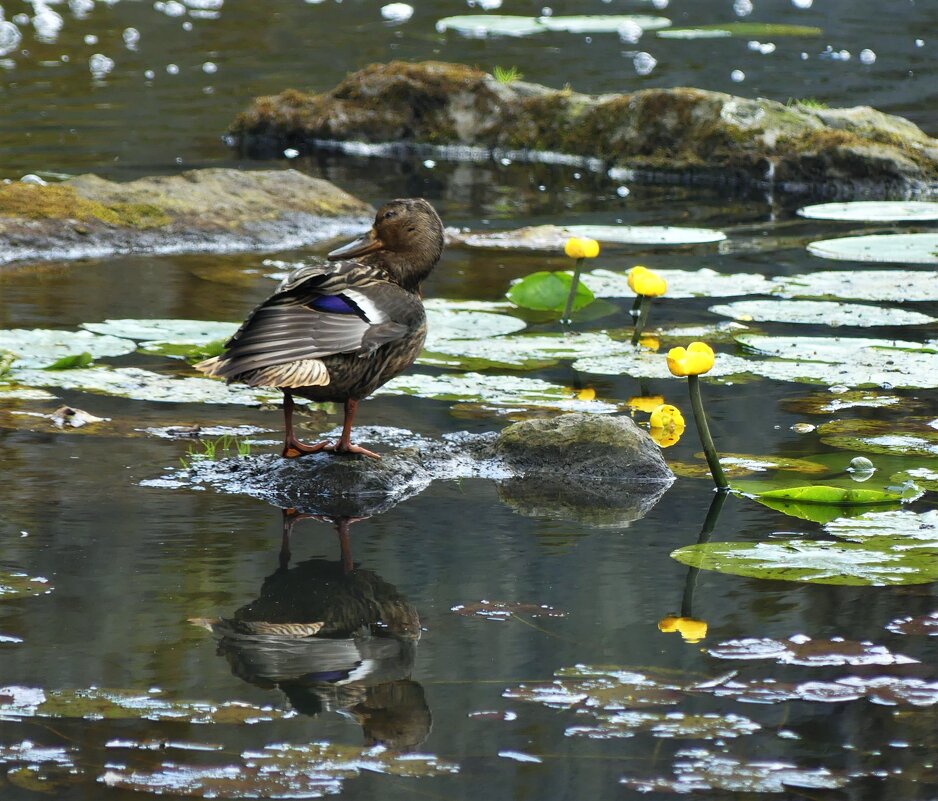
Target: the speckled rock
pixel 598 447
pixel 657 135
pixel 196 211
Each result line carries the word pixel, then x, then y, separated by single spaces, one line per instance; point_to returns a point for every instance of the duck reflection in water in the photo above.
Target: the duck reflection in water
pixel 332 637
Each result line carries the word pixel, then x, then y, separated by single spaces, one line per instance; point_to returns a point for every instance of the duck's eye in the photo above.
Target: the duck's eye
pixel 388 215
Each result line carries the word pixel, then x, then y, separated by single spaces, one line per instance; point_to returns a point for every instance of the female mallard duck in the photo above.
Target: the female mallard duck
pixel 336 332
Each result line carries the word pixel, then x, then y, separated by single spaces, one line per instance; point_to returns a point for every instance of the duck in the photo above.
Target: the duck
pixel 337 331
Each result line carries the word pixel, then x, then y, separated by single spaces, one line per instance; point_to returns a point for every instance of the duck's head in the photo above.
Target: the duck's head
pixel 406 240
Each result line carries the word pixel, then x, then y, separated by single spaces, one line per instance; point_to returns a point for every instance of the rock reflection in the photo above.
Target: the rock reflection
pixel 359 661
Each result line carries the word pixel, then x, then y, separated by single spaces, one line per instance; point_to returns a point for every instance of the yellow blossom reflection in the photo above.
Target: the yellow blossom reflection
pixel 645 403
pixel 690 629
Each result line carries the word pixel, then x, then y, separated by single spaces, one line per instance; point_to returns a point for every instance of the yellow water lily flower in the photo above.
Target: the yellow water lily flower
pixel 690 629
pixel 666 416
pixel 646 282
pixel 581 248
pixel 645 403
pixel 696 359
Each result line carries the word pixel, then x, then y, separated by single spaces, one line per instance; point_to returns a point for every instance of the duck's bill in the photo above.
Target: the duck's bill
pixel 368 243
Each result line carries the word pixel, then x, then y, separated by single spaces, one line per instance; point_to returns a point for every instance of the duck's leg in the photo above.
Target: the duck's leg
pixel 344 445
pixel 292 447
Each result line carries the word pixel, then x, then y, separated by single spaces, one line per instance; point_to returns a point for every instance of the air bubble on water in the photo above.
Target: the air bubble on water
pixel 397 12
pixel 100 65
pixel 867 56
pixel 171 8
pixel 179 159
pixel 429 164
pixel 630 32
pixel 844 55
pixel 209 68
pixel 489 5
pixel 804 56
pixel 291 153
pixel 504 161
pixel 205 5
pixel 547 11
pixel 47 23
pixel 622 191
pixel 918 42
pixel 660 4
pixel 149 75
pixel 80 8
pixel 90 39
pixel 802 3
pixel 21 19
pixel 172 69
pixel 644 63
pixel 187 26
pixel 10 37
pixel 742 8
pixel 737 76
pixel 131 37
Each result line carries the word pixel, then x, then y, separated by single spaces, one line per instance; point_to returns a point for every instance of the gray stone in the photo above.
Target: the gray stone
pixel 678 135
pixel 600 447
pixel 210 210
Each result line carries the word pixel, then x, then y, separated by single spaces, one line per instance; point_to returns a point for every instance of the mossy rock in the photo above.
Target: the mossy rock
pixel 660 134
pixel 196 211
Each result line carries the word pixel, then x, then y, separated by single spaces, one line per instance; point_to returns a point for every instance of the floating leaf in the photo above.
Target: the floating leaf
pixel 279 771
pixel 503 610
pixel 886 690
pixel 899 248
pixel 603 23
pixel 908 437
pixel 906 529
pixel 72 362
pixel 896 286
pixel 21 585
pixel 447 324
pixel 923 625
pixel 481 25
pixel 849 563
pixel 525 352
pixel 873 211
pixel 97 704
pixel 139 384
pixel 828 403
pixel 597 689
pixel 819 512
pixel 702 283
pixel 739 464
pixel 547 291
pixel 816 312
pixel 835 496
pixel 748 30
pixel 699 771
pixel 173 332
pixel 802 650
pixel 554 237
pixel 666 725
pixel 42 347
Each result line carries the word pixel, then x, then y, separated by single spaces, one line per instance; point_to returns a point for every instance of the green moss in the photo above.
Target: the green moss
pixel 63 202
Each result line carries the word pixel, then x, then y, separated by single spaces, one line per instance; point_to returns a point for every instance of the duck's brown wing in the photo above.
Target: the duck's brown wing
pixel 318 311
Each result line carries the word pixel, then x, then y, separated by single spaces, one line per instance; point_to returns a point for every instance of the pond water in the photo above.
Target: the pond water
pixel 511 699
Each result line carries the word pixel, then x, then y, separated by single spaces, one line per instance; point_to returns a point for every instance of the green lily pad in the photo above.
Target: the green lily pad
pixel 839 563
pixel 482 25
pixel 641 363
pixel 699 771
pixel 896 286
pixel 819 512
pixel 924 477
pixel 921 626
pixel 20 585
pixel 828 403
pixel 310 770
pixel 904 530
pixel 191 353
pixel 816 312
pixel 703 283
pixel 909 437
pixel 524 352
pixel 873 211
pixel 554 237
pixel 835 496
pixel 900 248
pixel 748 30
pixel 739 464
pixel 509 392
pixel 446 324
pixel 176 332
pixel 42 347
pixel 98 704
pixel 547 291
pixel 598 690
pixel 138 384
pixel 72 362
pixel 802 650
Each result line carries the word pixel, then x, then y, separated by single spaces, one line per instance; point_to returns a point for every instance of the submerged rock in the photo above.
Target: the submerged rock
pixel 602 470
pixel 655 135
pixel 196 211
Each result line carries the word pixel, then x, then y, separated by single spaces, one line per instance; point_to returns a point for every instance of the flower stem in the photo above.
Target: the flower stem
pixel 568 309
pixel 713 460
pixel 644 304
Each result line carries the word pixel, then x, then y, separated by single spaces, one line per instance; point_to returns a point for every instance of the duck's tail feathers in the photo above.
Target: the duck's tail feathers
pixel 288 375
pixel 209 366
